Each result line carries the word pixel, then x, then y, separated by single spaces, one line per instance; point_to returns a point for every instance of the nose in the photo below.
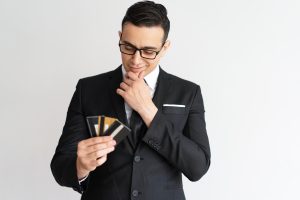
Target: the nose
pixel 136 58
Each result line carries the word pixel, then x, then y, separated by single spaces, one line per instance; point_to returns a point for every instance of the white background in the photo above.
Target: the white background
pixel 244 54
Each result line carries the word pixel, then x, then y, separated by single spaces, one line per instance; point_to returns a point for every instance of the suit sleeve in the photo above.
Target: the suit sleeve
pixel 186 150
pixel 63 164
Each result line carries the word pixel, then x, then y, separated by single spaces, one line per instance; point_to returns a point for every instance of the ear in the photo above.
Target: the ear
pixel 165 47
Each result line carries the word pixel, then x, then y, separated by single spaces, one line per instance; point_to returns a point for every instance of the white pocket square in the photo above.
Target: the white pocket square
pixel 174 105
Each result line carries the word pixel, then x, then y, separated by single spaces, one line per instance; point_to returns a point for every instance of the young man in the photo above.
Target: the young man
pixel 171 138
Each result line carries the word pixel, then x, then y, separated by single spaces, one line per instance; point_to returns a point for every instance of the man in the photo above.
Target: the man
pixel 171 139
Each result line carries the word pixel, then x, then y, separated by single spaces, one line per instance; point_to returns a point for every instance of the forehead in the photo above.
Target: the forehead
pixel 142 36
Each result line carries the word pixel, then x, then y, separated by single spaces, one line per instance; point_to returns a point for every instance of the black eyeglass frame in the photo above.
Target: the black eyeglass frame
pixel 140 50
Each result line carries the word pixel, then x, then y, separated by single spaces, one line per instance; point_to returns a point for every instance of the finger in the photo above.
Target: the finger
pixel 93 141
pixel 93 160
pixel 90 150
pixel 98 147
pixel 100 153
pixel 120 92
pixel 124 86
pixel 132 76
pixel 128 81
pixel 101 160
pixel 142 74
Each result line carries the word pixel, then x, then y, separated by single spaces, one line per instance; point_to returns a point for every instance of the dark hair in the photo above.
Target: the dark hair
pixel 148 13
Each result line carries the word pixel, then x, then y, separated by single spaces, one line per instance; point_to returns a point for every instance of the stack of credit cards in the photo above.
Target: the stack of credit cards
pixel 103 126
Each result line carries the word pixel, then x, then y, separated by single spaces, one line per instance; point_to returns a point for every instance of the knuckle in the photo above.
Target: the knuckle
pixel 111 149
pixel 95 148
pixel 104 158
pixel 98 154
pixel 108 150
pixel 103 146
pixel 101 160
pixel 125 95
pixel 100 139
pixel 95 139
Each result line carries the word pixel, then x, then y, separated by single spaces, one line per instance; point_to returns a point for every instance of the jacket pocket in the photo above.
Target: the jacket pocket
pixel 174 110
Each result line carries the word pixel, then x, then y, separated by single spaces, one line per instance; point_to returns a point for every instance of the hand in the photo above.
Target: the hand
pixel 92 153
pixel 135 91
pixel 136 94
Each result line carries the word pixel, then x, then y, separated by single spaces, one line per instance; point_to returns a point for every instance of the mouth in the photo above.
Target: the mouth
pixel 136 69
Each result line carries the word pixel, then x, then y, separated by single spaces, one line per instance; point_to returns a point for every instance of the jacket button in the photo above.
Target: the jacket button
pixel 137 158
pixel 135 193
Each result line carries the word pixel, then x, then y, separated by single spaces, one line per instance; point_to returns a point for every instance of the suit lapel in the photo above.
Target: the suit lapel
pixel 117 100
pixel 162 88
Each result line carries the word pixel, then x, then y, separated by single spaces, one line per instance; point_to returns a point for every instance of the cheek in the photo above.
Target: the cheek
pixel 148 63
pixel 126 59
pixel 150 66
pixel 152 63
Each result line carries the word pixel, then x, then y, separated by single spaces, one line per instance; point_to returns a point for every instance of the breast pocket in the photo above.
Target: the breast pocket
pixel 174 109
pixel 176 115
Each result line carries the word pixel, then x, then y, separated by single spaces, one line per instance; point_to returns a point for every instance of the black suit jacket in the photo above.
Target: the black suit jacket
pixel 176 142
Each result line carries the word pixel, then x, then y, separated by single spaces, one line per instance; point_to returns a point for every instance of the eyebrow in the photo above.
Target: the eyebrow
pixel 146 47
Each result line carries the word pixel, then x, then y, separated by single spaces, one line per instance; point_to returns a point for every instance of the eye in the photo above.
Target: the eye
pixel 129 48
pixel 148 52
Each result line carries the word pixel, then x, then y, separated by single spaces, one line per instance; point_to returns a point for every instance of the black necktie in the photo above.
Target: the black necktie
pixel 137 126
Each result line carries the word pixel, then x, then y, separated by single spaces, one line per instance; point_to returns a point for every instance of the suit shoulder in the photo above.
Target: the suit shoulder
pixel 180 82
pixel 99 78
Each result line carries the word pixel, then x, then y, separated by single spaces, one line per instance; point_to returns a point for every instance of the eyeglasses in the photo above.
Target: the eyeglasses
pixel 144 53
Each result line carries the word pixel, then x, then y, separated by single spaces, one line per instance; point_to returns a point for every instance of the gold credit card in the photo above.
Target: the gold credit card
pixel 108 121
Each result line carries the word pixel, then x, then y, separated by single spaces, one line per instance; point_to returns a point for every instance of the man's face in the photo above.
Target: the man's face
pixel 142 38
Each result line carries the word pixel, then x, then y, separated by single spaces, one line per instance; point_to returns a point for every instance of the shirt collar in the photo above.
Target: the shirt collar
pixel 151 78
